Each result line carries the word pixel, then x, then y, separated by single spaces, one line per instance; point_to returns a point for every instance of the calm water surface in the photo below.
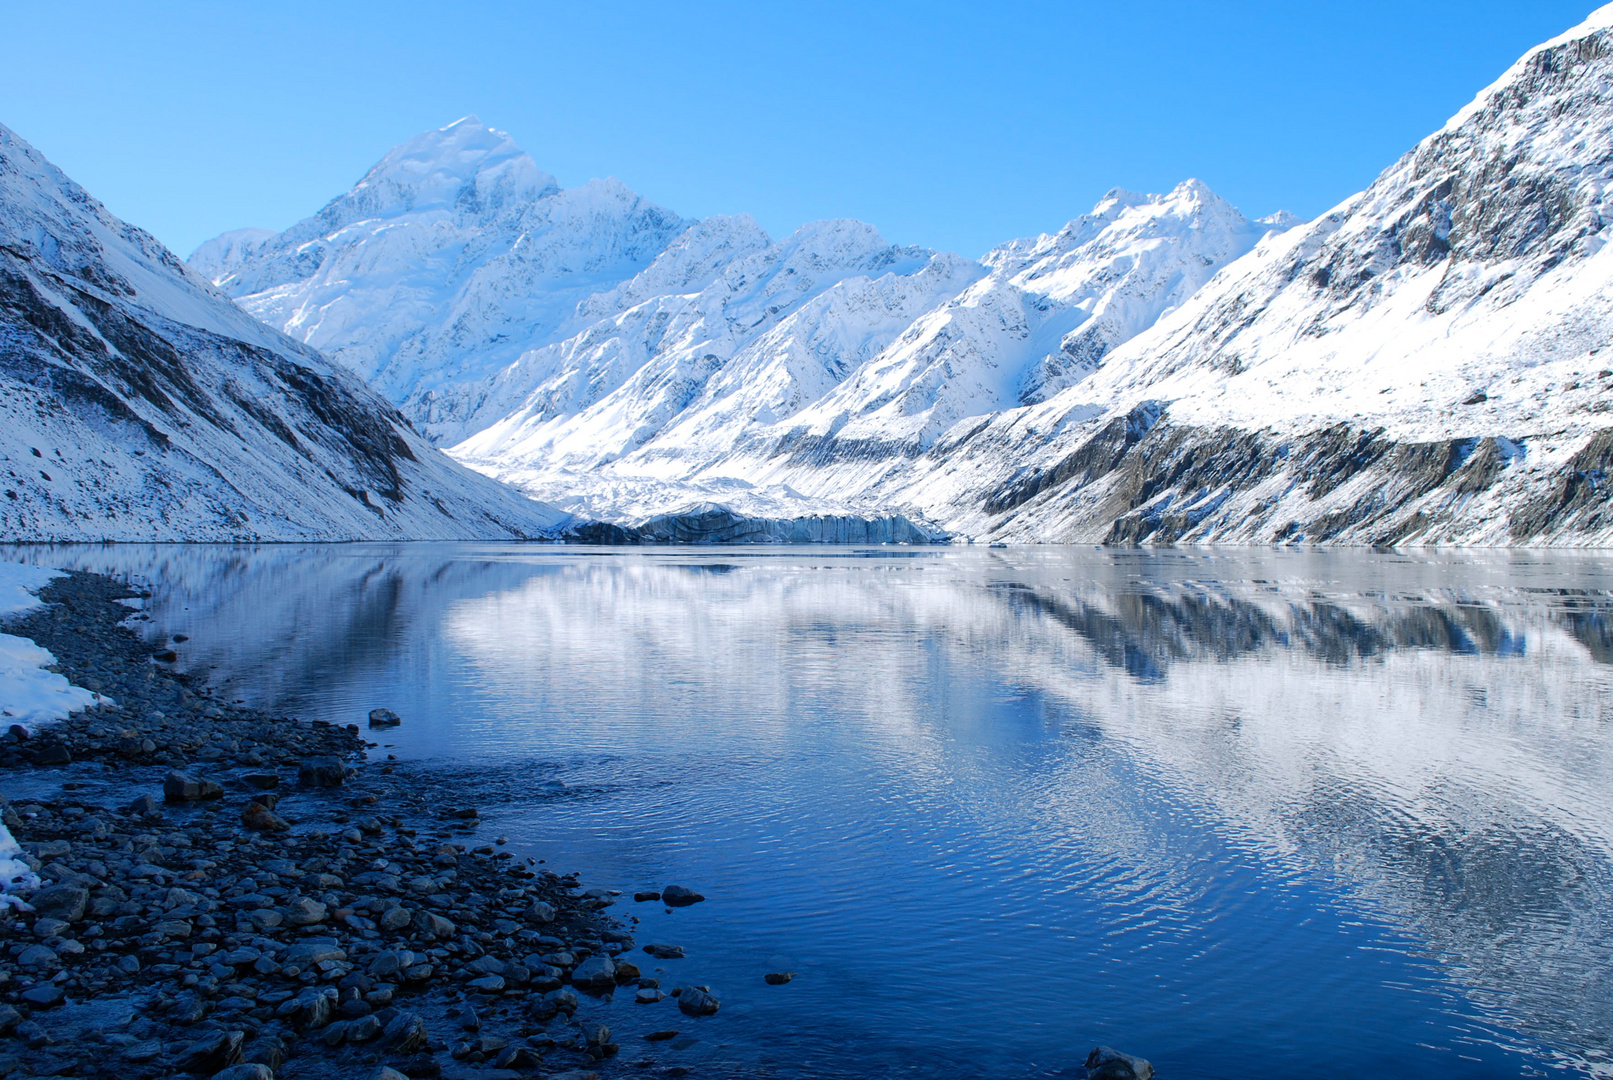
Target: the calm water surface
pixel 1244 813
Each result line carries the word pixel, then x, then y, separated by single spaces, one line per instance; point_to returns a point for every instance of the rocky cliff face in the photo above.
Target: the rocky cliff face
pixel 136 403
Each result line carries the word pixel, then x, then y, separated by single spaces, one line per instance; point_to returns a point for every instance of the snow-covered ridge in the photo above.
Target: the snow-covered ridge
pixel 137 403
pixel 713 352
pixel 1420 364
pixel 449 258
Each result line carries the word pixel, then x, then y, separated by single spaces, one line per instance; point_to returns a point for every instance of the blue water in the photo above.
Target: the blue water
pixel 1243 813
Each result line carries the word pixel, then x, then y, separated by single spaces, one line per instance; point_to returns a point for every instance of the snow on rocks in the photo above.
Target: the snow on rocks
pixel 30 694
pixel 17 879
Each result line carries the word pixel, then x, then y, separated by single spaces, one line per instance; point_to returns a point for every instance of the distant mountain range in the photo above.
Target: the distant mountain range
pixel 1422 364
pixel 1417 365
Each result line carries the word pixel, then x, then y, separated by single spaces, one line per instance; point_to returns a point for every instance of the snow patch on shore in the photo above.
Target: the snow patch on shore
pixel 29 693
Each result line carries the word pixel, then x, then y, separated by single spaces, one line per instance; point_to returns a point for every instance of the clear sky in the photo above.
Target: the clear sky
pixel 952 125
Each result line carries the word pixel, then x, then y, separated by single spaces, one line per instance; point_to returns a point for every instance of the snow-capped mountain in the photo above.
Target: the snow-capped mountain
pixel 667 387
pixel 1421 364
pixel 136 403
pixel 451 257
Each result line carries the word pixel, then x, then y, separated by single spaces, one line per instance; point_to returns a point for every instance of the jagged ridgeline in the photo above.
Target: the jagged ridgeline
pixel 137 403
pixel 1421 364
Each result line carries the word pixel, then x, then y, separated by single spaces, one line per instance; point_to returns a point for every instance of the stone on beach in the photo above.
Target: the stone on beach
pixel 181 787
pixel 321 772
pixel 595 973
pixel 65 902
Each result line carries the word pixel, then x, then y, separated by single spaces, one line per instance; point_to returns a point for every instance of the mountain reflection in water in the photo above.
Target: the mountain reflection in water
pixel 1263 811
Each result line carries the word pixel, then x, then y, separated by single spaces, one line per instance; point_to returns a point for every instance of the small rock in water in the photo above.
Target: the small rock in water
pixel 384 718
pixel 43 996
pixel 778 978
pixel 660 1036
pixel 664 952
pixel 647 894
pixel 696 1002
pixel 1107 1063
pixel 678 896
pixel 262 780
pixel 54 753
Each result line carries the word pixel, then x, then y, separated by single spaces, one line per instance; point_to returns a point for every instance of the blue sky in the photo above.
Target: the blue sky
pixel 956 126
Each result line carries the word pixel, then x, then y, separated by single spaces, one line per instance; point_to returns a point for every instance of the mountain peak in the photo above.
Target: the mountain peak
pixel 439 168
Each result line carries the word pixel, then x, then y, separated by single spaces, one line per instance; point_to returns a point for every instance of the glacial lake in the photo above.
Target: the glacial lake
pixel 1245 813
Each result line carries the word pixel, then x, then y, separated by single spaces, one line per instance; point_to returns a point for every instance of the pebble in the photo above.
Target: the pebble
pixel 678 896
pixel 321 772
pixel 597 973
pixel 249 1071
pixel 778 978
pixel 384 718
pixel 697 1002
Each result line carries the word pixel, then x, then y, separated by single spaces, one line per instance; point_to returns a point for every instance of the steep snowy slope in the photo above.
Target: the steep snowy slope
pixel 621 360
pixel 450 258
pixel 872 369
pixel 138 403
pixel 1422 364
pixel 687 373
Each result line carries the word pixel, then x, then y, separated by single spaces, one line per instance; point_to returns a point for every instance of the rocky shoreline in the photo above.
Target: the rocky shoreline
pixel 238 895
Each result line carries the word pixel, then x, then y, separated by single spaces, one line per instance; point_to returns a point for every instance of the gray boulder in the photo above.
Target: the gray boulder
pixel 694 1001
pixel 65 902
pixel 678 896
pixel 597 974
pixel 321 772
pixel 181 787
pixel 1107 1063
